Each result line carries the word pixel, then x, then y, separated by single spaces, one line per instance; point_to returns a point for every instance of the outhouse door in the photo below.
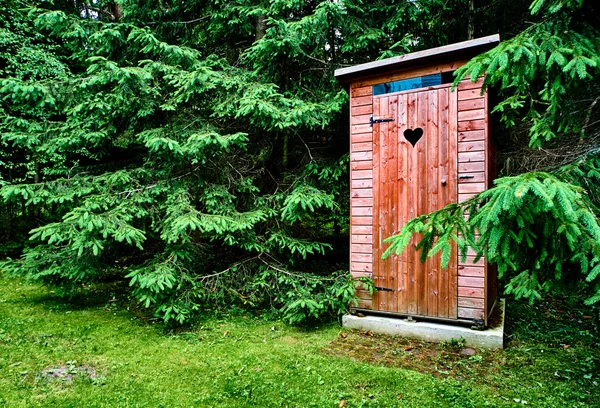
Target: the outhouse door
pixel 415 160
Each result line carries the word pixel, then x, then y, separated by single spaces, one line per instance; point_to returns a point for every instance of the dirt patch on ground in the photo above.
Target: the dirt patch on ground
pixel 67 373
pixel 448 359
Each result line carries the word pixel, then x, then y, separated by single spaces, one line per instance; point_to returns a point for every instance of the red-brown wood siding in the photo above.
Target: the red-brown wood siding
pixel 473 152
pixel 361 188
pixel 410 181
pixel 383 185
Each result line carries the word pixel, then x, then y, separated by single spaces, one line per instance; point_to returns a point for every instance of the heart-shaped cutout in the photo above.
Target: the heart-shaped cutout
pixel 413 136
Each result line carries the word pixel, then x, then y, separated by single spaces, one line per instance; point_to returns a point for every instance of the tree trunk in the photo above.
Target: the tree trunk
pixel 261 26
pixel 471 26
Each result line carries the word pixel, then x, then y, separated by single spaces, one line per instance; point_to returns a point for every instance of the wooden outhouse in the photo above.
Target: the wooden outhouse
pixel 415 146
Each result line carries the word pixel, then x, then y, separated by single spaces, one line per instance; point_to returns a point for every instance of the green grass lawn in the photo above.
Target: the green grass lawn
pixel 94 352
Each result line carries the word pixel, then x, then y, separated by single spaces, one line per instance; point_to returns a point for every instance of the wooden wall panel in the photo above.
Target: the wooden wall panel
pixel 367 183
pixel 361 165
pixel 472 179
pixel 463 160
pixel 361 188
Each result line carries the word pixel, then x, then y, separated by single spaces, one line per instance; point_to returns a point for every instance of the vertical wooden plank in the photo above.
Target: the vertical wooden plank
pixel 393 215
pixel 402 200
pixel 384 198
pixel 443 195
pixel 350 175
pixel 453 197
pixel 421 146
pixel 376 188
pixel 412 193
pixel 433 188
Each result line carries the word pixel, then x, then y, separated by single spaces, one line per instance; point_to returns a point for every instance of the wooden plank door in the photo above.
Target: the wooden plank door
pixel 408 181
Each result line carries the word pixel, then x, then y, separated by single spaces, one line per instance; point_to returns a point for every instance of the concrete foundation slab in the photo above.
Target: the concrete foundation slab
pixel 491 337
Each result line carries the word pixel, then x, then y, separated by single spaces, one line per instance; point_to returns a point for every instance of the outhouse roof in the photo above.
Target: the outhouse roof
pixel 452 51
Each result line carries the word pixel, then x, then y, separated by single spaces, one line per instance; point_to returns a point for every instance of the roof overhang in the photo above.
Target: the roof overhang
pixel 465 49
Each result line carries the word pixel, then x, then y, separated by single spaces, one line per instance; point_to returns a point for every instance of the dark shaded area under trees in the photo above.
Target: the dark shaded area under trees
pixel 197 151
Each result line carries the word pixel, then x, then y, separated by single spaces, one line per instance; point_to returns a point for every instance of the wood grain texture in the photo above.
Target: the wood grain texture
pixel 361 156
pixel 393 182
pixel 365 304
pixel 361 248
pixel 470 115
pixel 361 165
pixel 362 100
pixel 469 125
pixel 361 110
pixel 471 146
pixel 360 120
pixel 361 266
pixel 469 94
pixel 361 138
pixel 468 84
pixel 471 167
pixel 362 211
pixel 360 129
pixel 471 188
pixel 357 90
pixel 473 303
pixel 362 258
pixel 468 313
pixel 361 202
pixel 403 283
pixel 357 220
pixel 362 147
pixel 366 183
pixel 392 201
pixel 464 157
pixel 471 135
pixel 433 268
pixel 474 271
pixel 362 174
pixel 362 192
pixel 444 194
pixel 470 282
pixel 471 292
pixel 469 104
pixel 361 229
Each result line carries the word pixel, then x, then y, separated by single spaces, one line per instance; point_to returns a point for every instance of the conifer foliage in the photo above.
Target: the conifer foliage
pixel 197 151
pixel 185 148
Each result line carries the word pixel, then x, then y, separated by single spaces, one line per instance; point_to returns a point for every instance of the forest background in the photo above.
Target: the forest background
pixel 198 151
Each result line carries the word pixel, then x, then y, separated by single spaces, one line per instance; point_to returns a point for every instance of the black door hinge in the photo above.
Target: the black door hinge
pixel 371 120
pixel 384 289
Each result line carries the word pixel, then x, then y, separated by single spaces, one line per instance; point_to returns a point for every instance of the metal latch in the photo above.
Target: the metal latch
pixel 371 120
pixel 465 177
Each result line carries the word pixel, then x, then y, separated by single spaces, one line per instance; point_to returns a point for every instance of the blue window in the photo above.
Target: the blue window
pixel 407 84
